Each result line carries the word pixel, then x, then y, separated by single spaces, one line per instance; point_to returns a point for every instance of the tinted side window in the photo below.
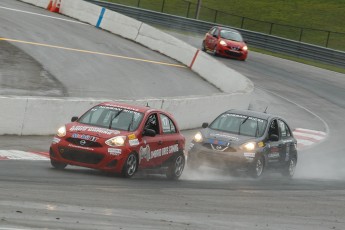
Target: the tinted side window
pixel 273 128
pixel 152 123
pixel 212 30
pixel 284 129
pixel 167 124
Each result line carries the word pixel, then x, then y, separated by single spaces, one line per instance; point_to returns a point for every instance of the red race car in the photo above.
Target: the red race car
pixel 225 42
pixel 121 138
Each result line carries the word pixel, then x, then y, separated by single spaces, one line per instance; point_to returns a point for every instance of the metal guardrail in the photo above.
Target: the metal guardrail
pixel 255 39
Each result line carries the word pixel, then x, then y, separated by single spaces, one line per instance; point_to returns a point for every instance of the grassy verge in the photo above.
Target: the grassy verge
pixel 302 20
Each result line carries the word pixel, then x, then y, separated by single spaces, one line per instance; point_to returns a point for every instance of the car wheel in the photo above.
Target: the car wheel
pixel 203 47
pixel 215 51
pixel 58 165
pixel 290 168
pixel 130 166
pixel 176 167
pixel 258 167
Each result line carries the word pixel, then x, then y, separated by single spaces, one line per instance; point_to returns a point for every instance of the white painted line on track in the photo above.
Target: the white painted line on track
pixel 22 155
pixel 42 15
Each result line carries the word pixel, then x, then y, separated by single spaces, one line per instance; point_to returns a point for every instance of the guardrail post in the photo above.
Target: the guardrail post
pixel 215 16
pixel 138 3
pixel 163 3
pixel 271 28
pixel 300 35
pixel 328 35
pixel 242 22
pixel 188 8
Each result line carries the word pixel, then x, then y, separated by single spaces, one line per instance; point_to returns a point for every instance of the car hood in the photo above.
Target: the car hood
pixel 213 136
pixel 95 131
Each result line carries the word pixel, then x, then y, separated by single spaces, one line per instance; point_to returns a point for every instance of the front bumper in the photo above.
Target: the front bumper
pixel 229 52
pixel 230 158
pixel 101 158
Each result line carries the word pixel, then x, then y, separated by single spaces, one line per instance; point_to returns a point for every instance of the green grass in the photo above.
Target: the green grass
pixel 287 16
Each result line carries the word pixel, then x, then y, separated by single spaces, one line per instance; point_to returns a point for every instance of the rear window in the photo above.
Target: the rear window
pixel 239 124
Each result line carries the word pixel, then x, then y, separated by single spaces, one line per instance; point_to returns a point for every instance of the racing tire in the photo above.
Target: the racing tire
pixel 214 52
pixel 58 165
pixel 203 48
pixel 130 166
pixel 176 167
pixel 290 168
pixel 258 167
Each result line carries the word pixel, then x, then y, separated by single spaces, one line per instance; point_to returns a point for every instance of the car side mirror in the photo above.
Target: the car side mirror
pixel 204 125
pixel 274 137
pixel 149 132
pixel 74 119
pixel 215 36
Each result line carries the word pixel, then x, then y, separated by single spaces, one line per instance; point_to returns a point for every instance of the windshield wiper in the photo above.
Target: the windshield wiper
pixel 113 118
pixel 239 128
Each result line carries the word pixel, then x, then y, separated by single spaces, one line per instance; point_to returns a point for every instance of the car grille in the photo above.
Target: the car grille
pixel 235 54
pixel 80 156
pixel 76 141
pixel 221 148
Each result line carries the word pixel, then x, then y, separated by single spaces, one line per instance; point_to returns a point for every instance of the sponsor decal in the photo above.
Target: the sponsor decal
pixel 249 155
pixel 243 116
pixel 261 144
pixel 132 136
pixel 114 152
pixel 191 145
pixel 133 142
pixel 119 107
pixel 80 147
pixel 224 136
pixel 145 152
pixel 76 128
pixel 273 155
pixel 56 140
pixel 84 137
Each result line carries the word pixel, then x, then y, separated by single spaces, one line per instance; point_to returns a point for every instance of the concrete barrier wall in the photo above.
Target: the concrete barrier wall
pixel 42 116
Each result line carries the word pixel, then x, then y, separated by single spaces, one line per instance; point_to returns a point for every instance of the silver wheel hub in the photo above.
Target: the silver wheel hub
pixel 131 164
pixel 179 165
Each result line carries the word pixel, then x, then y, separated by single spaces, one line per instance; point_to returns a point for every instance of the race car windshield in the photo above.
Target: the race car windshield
pixel 239 124
pixel 231 35
pixel 112 118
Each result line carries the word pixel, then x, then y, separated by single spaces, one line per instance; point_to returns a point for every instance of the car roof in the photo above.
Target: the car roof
pixel 227 28
pixel 138 108
pixel 251 113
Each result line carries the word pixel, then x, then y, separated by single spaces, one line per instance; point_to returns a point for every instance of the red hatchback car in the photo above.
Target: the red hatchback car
pixel 121 138
pixel 225 42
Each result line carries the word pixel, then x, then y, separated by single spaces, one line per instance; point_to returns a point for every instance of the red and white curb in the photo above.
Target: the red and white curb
pixel 22 155
pixel 307 138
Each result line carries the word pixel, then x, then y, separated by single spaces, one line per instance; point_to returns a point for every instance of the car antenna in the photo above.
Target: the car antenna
pixel 147 105
pixel 266 109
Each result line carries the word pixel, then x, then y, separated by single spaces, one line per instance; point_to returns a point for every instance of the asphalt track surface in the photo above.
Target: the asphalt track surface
pixel 75 59
pixel 34 196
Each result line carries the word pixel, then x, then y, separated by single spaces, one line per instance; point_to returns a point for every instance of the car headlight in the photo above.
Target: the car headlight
pixel 223 43
pixel 250 146
pixel 116 141
pixel 245 48
pixel 61 131
pixel 198 137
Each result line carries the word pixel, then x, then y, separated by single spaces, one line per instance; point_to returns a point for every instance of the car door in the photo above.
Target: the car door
pixel 275 144
pixel 171 139
pixel 211 41
pixel 288 142
pixel 150 146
